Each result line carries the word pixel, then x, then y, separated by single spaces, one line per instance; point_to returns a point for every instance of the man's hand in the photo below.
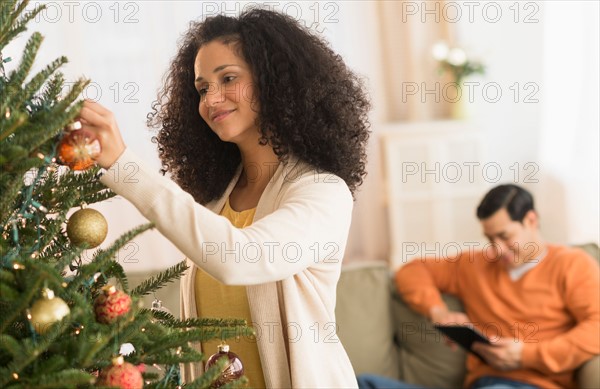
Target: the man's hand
pixel 504 354
pixel 441 315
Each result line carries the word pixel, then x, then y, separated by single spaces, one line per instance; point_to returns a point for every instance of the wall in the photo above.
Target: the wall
pixel 125 48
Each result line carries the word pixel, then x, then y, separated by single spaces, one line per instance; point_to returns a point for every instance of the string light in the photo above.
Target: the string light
pixel 39 206
pixel 29 206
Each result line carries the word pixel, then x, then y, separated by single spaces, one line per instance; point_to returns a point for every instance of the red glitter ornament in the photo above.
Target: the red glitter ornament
pixel 78 147
pixel 111 304
pixel 121 374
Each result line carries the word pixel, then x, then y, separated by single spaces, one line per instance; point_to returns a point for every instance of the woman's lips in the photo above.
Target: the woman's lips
pixel 221 116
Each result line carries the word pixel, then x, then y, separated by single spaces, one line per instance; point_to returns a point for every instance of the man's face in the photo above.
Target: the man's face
pixel 513 242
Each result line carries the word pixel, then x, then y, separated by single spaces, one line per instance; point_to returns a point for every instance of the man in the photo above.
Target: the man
pixel 537 302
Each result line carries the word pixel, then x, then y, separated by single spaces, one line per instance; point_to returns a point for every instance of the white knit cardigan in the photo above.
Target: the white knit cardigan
pixel 289 259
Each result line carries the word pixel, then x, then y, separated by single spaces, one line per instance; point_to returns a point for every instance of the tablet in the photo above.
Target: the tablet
pixel 463 335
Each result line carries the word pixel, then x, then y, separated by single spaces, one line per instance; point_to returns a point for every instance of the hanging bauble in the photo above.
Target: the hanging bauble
pixel 78 147
pixel 232 371
pixel 126 349
pixel 121 374
pixel 46 311
pixel 111 304
pixel 87 226
pixel 157 306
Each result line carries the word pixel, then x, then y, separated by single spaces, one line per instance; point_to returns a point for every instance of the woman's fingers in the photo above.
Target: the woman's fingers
pixel 97 107
pixel 101 121
pixel 91 117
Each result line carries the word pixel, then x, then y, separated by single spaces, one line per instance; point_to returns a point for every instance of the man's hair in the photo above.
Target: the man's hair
pixel 516 200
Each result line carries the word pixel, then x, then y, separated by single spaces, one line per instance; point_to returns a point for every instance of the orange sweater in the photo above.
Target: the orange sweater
pixel 553 308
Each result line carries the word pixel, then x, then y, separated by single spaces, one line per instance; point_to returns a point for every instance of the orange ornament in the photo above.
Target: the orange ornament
pixel 78 147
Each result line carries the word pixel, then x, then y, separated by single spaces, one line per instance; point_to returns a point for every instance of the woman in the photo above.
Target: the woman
pixel 259 122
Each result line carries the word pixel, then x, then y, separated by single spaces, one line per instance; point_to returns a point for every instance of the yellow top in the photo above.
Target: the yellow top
pixel 214 299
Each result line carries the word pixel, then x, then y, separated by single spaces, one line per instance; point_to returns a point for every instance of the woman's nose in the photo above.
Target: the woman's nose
pixel 214 95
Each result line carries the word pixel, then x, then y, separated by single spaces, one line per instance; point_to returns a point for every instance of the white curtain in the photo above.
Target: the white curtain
pixel 569 131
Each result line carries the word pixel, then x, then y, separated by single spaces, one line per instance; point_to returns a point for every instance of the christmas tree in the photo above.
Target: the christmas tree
pixel 65 323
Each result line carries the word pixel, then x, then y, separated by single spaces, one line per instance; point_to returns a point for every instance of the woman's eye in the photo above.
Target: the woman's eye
pixel 228 78
pixel 202 92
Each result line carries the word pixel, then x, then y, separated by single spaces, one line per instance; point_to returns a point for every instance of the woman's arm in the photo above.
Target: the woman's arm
pixel 310 227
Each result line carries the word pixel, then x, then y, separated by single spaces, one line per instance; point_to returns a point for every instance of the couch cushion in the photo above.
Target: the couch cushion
pixel 364 319
pixel 588 376
pixel 426 359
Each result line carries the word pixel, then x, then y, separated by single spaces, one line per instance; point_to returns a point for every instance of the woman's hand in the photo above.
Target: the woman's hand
pixel 99 120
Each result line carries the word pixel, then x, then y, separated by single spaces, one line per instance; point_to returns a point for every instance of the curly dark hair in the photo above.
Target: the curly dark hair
pixel 310 104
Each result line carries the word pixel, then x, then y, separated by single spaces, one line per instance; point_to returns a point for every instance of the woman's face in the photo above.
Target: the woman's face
pixel 227 95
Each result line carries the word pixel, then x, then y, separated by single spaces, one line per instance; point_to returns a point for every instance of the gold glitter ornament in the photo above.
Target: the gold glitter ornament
pixel 46 311
pixel 87 226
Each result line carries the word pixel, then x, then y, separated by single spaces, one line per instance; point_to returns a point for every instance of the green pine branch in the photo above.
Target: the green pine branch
pixel 153 284
pixel 198 335
pixel 102 258
pixel 17 77
pixel 8 291
pixel 53 89
pixel 240 383
pixel 31 350
pixel 116 270
pixel 210 376
pixel 15 307
pixel 8 126
pixel 168 358
pixel 63 379
pixel 170 321
pixel 10 345
pixel 37 82
pixel 35 113
pixel 12 23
